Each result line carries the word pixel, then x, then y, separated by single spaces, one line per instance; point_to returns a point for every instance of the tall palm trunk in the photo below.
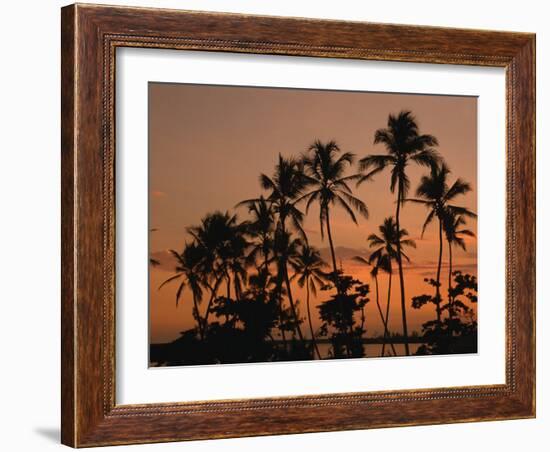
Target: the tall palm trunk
pixel 451 300
pixel 387 331
pixel 332 253
pixel 381 317
pixel 283 273
pixel 313 341
pixel 400 265
pixel 266 267
pixel 438 276
pixel 279 289
pixel 228 289
pixel 292 306
pixel 198 316
pixel 237 287
pixel 228 277
pixel 213 292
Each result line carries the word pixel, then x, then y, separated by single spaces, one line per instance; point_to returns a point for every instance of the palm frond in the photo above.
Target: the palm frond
pixel 346 157
pixel 361 260
pixel 172 278
pixel 460 187
pixel 374 240
pixel 376 162
pixel 408 242
pixel 457 210
pixel 427 222
pixel 418 201
pixel 465 232
pixel 178 293
pixel 356 203
pixel 266 183
pixel 340 201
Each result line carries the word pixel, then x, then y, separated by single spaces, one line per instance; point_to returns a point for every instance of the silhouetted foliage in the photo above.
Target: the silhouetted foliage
pixel 339 316
pixel 457 333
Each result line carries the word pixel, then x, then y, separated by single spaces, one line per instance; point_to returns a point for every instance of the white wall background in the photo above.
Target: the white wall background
pixel 29 225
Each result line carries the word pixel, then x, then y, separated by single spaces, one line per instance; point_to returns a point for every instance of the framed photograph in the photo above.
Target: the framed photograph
pixel 282 225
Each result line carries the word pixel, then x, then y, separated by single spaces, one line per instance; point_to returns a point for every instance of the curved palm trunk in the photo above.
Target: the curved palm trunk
pixel 283 273
pixel 292 306
pixel 332 253
pixel 387 331
pixel 280 298
pixel 198 316
pixel 266 267
pixel 213 293
pixel 438 277
pixel 228 277
pixel 228 288
pixel 451 300
pixel 313 341
pixel 382 318
pixel 451 310
pixel 237 287
pixel 401 277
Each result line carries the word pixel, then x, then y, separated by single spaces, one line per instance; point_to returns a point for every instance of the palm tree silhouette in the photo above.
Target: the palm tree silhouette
pixel 386 246
pixel 188 271
pixel 308 271
pixel 325 170
pixel 222 240
pixel 435 193
pixel 260 228
pixel 286 187
pixel 404 144
pixel 452 224
pixel 286 249
pixel 380 264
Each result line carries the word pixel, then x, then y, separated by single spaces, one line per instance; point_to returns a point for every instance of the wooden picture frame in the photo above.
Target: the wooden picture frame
pixel 90 36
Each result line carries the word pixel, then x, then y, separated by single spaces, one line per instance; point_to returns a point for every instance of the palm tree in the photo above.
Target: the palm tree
pixel 388 246
pixel 188 271
pixel 260 229
pixel 286 187
pixel 404 144
pixel 379 264
pixel 286 249
pixel 224 247
pixel 325 170
pixel 435 193
pixel 452 224
pixel 308 270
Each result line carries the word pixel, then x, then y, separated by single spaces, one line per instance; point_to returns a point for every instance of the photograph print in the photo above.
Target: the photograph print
pixel 300 224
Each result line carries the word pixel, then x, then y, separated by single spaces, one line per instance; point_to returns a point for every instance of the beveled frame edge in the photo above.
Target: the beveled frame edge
pixel 90 36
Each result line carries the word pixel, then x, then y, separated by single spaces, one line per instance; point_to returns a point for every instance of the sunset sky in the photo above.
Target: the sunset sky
pixel 209 144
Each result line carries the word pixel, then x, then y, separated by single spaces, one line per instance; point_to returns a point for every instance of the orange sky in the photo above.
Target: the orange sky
pixel 208 145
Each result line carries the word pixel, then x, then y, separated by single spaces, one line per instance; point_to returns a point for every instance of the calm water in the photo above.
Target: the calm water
pixel 374 350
